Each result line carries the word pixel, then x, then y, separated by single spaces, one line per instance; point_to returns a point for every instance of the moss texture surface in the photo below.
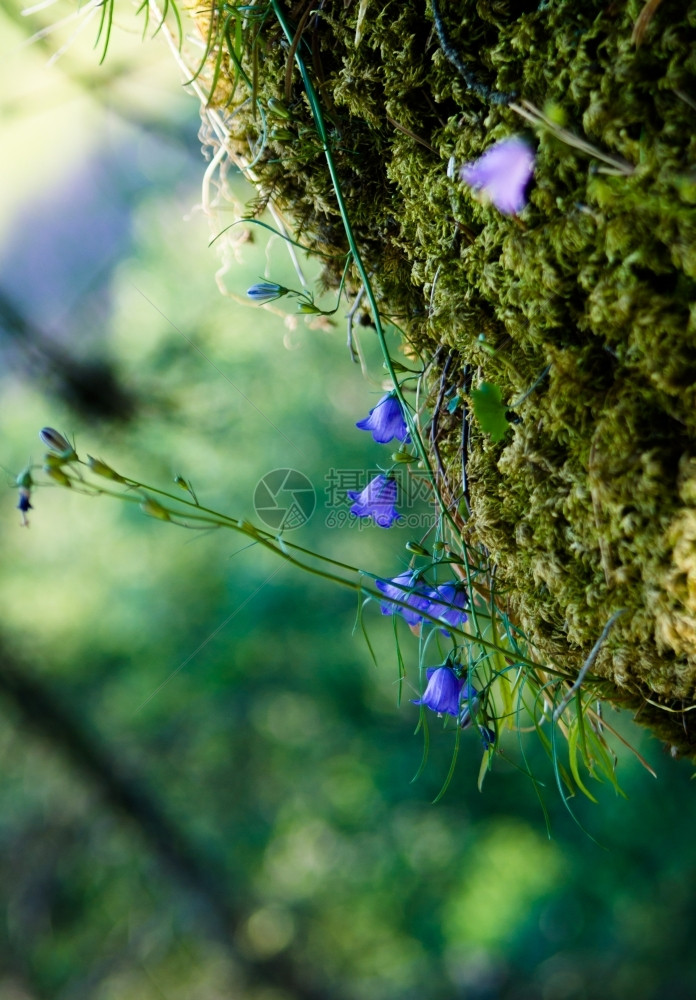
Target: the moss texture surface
pixel 589 504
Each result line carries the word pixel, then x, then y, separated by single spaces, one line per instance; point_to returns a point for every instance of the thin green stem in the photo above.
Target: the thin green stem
pixel 364 277
pixel 357 258
pixel 206 515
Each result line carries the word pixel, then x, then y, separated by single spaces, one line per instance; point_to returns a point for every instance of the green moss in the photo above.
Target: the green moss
pixel 589 504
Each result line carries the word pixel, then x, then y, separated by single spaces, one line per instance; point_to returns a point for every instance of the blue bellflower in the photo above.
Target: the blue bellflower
pixel 386 421
pixel 377 501
pixel 403 588
pixel 502 174
pixel 446 693
pixel 447 602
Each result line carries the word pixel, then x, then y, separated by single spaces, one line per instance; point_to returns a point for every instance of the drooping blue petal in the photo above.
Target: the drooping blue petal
pixel 447 602
pixel 386 421
pixel 443 691
pixel 377 501
pixel 403 588
pixel 502 174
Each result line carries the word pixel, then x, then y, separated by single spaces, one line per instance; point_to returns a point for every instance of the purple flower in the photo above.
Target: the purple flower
pixel 403 588
pixel 445 692
pixel 386 421
pixel 447 603
pixel 442 691
pixel 376 501
pixel 502 174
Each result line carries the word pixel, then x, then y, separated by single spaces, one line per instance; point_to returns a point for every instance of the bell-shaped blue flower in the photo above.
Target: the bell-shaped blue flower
pixel 447 602
pixel 502 174
pixel 377 501
pixel 386 421
pixel 446 693
pixel 403 587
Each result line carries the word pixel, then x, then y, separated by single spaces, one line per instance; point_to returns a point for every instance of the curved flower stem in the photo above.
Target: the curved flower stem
pixel 376 595
pixel 362 270
pixel 207 516
pixel 215 517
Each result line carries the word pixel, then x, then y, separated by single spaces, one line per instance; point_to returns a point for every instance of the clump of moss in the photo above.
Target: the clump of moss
pixel 589 504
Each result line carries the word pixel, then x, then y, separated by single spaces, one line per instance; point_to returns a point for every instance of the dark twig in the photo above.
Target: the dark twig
pixel 480 89
pixel 465 441
pixel 436 417
pixel 594 652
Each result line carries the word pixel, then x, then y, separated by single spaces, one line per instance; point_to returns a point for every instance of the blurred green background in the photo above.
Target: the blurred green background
pixel 205 789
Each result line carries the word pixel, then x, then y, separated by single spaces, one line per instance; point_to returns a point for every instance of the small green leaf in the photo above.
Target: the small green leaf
pixel 485 766
pixel 573 759
pixel 490 409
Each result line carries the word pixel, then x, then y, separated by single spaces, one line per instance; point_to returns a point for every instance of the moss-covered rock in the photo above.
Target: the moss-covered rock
pixel 588 299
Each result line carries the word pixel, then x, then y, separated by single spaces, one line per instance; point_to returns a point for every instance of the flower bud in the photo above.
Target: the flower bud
pixel 281 135
pixel 186 486
pixel 278 108
pixel 57 443
pixel 100 468
pixel 266 291
pixel 416 548
pixel 403 456
pixel 24 480
pixel 55 473
pixel 155 509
